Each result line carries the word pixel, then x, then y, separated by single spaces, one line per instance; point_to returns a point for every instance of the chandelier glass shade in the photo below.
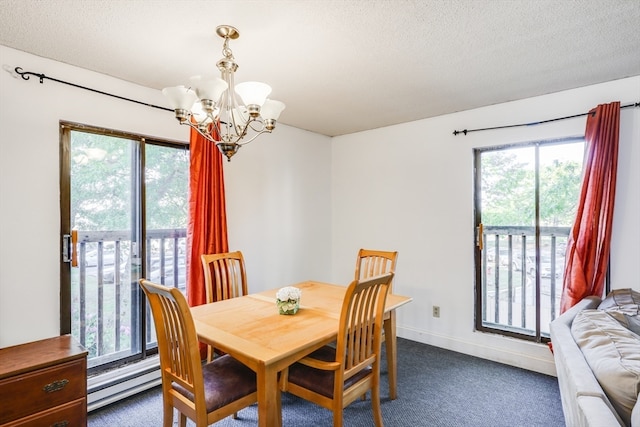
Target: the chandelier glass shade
pixel 211 106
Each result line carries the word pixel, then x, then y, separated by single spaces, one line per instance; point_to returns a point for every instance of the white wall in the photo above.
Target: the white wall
pixel 278 193
pixel 299 204
pixel 410 188
pixel 278 189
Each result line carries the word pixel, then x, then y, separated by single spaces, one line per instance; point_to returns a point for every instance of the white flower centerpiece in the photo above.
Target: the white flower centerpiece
pixel 288 300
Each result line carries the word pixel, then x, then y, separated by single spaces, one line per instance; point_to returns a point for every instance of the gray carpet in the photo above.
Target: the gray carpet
pixel 436 387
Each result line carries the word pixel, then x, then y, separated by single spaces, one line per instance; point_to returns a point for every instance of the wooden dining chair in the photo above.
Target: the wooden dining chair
pixel 334 377
pixel 372 263
pixel 224 277
pixel 204 393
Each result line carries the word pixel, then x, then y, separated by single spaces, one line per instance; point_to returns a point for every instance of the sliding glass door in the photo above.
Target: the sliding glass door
pixel 123 217
pixel 525 203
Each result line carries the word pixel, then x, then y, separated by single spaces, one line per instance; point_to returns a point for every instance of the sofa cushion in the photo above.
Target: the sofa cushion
pixel 613 353
pixel 630 322
pixel 624 306
pixel 626 301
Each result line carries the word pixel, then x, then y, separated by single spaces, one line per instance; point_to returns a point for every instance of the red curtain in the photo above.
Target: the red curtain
pixel 590 239
pixel 207 227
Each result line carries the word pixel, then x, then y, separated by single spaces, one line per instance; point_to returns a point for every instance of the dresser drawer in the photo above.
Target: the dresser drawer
pixel 43 389
pixel 72 414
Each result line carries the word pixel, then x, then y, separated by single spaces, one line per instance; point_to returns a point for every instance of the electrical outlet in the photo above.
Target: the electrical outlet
pixel 436 311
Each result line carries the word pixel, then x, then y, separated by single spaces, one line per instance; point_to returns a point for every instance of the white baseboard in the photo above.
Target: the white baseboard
pixel 111 386
pixel 522 354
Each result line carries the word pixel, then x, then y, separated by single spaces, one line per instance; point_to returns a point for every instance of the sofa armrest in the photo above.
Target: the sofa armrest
pixel 596 413
pixel 575 379
pixel 584 304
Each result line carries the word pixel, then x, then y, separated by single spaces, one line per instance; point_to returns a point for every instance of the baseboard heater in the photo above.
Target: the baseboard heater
pixel 112 386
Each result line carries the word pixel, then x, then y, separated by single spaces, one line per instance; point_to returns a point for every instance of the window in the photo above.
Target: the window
pixel 126 197
pixel 525 203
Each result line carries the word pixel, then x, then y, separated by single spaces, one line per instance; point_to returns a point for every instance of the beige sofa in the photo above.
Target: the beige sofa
pixel 597 339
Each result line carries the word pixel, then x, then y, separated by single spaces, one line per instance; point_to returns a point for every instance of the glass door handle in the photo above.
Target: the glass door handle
pixel 70 248
pixel 74 248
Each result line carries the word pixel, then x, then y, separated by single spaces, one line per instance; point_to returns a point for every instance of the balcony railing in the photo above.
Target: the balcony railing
pixel 510 271
pixel 105 292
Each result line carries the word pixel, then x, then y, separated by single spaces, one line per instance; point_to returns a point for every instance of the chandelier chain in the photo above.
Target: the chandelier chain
pixel 226 50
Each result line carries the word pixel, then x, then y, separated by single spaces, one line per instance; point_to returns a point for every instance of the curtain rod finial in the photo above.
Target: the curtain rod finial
pixel 25 74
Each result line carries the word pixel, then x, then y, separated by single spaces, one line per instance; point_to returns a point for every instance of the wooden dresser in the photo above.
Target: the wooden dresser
pixel 44 383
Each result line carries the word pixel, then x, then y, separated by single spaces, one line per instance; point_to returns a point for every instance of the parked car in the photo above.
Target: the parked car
pixel 155 271
pixel 108 256
pixel 516 260
pixel 108 271
pixel 545 267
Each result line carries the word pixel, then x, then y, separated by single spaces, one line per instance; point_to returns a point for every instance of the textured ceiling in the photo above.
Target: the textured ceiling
pixel 344 66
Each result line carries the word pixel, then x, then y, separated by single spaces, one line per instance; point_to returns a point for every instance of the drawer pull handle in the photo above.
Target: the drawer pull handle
pixel 55 386
pixel 64 423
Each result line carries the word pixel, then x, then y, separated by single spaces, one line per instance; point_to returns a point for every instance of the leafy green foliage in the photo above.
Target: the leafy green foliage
pixel 100 182
pixel 167 178
pixel 508 189
pixel 105 188
pixel 559 193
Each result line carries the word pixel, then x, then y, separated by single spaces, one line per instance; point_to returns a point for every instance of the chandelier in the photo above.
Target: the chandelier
pixel 210 106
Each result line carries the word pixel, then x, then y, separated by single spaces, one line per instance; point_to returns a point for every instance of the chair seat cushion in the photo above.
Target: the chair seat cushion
pixel 225 380
pixel 319 380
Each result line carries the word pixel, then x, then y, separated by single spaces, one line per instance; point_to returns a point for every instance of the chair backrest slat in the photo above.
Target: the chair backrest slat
pixel 361 322
pixel 374 263
pixel 225 276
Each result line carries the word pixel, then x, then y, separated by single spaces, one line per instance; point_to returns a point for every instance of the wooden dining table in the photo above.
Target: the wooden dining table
pixel 250 329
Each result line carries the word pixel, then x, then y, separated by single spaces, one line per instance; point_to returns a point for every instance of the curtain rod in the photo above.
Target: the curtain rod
pixel 26 74
pixel 466 131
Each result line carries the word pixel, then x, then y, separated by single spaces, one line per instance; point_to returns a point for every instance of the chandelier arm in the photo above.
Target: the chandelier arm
pixel 195 127
pixel 253 137
pixel 250 125
pixel 229 132
pixel 245 128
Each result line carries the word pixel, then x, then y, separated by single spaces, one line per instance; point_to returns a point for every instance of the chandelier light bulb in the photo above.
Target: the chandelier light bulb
pixel 253 93
pixel 180 97
pixel 209 87
pixel 271 109
pixel 200 115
